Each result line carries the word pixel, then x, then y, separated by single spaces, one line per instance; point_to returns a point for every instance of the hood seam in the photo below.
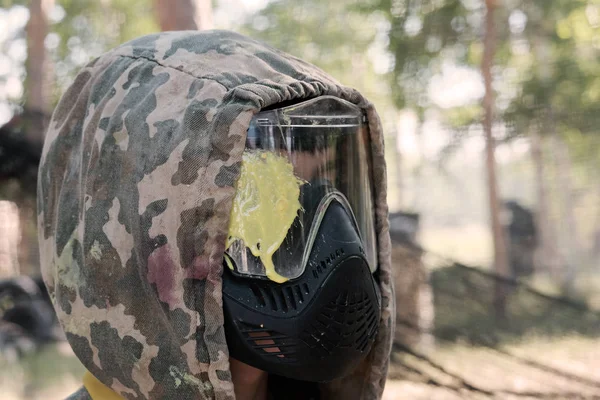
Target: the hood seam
pixel 174 69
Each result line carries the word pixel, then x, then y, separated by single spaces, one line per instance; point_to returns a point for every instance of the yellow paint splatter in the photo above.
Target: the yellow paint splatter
pixel 265 206
pixel 228 262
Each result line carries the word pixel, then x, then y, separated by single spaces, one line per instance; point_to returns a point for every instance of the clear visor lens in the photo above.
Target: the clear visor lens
pixel 318 148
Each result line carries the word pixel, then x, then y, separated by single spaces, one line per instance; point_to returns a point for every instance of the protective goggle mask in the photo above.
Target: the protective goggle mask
pixel 300 293
pixel 298 160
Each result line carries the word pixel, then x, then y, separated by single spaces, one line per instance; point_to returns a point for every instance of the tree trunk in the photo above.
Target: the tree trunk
pixel 548 259
pixel 500 257
pixel 39 76
pixel 180 15
pixel 415 311
pixel 37 107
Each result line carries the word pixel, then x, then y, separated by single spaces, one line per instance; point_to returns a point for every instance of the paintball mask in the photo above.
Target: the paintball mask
pixel 300 293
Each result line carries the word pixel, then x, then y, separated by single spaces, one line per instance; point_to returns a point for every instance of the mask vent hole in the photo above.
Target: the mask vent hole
pixel 305 288
pixel 371 321
pixel 282 299
pixel 269 343
pixel 290 295
pixel 362 345
pixel 266 344
pixel 259 295
pixel 347 322
pixel 272 300
pixel 299 293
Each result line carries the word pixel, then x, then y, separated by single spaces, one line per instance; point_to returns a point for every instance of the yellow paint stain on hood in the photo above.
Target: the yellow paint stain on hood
pixel 265 206
pixel 97 389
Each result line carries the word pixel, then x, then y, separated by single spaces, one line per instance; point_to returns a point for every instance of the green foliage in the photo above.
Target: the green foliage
pixel 89 28
pixel 562 75
pixel 11 3
pixel 559 85
pixel 460 117
pixel 545 66
pixel 83 29
pixel 337 36
pixel 422 36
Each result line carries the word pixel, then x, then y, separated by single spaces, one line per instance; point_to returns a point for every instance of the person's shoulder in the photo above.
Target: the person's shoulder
pixel 81 394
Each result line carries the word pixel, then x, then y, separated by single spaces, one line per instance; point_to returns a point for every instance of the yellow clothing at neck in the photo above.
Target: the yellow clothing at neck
pixel 98 390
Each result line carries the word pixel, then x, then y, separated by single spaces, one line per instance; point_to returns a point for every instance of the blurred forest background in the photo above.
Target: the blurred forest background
pixel 491 112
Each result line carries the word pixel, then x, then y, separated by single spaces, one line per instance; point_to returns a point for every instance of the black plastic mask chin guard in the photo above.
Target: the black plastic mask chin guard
pixel 317 327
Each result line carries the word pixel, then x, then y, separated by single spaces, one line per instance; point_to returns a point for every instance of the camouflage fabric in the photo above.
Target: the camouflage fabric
pixel 136 185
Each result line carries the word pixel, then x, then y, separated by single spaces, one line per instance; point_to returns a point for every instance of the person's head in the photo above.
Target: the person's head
pixel 146 188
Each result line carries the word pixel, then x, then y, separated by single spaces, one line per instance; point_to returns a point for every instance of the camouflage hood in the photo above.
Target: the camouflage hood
pixel 136 185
